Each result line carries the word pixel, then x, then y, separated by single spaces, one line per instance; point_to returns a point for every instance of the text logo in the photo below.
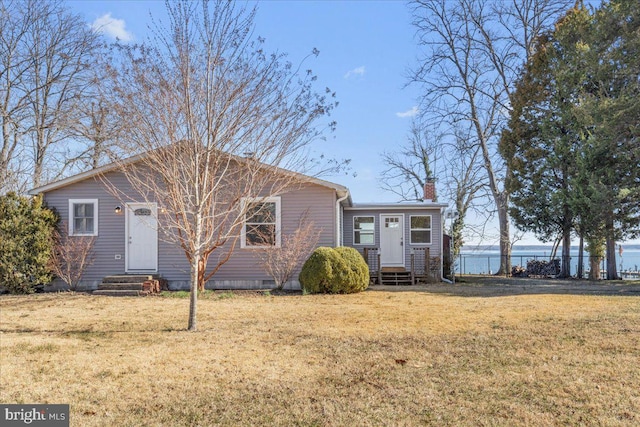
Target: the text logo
pixel 34 415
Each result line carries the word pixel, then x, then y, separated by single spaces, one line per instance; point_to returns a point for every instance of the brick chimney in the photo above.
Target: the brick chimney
pixel 430 190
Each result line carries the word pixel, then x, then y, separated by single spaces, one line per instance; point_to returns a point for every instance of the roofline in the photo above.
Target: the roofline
pixel 84 175
pixel 340 189
pixel 395 206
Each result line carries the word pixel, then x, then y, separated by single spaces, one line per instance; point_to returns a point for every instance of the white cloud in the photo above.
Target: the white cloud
pixel 409 113
pixel 114 28
pixel 359 72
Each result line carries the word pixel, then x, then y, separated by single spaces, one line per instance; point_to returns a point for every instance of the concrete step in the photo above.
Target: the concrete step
pixel 128 278
pixel 120 286
pixel 119 293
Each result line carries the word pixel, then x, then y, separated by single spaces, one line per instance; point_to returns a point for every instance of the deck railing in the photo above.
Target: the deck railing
pixel 372 258
pixel 423 267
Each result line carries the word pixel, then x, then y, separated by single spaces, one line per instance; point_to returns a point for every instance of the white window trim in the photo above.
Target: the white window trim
pixel 421 229
pixel 243 231
pixel 373 231
pixel 72 202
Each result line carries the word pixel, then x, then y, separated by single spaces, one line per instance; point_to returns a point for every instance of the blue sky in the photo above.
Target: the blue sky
pixel 366 48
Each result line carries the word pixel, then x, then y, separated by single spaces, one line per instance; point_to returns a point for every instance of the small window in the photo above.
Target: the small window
pixel 393 222
pixel 83 217
pixel 363 230
pixel 421 230
pixel 262 223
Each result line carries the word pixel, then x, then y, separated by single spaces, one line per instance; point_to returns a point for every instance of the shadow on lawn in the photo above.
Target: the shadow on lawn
pixel 492 286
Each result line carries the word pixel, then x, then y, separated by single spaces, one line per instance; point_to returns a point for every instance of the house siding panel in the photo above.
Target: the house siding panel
pixel 110 241
pixel 319 204
pixel 436 229
pixel 242 269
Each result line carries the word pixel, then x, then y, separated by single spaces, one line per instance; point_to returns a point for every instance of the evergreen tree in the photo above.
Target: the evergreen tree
pixel 26 228
pixel 572 142
pixel 610 110
pixel 543 136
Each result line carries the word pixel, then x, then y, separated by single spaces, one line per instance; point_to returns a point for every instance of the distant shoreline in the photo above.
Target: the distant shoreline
pixel 536 248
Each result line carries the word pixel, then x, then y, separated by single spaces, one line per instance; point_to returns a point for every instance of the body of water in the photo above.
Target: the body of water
pixel 486 259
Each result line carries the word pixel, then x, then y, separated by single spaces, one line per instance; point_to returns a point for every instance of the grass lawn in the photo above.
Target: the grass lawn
pixel 384 357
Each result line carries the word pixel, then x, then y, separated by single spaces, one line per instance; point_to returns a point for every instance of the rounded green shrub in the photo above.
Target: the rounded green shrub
pixel 334 271
pixel 358 279
pixel 319 273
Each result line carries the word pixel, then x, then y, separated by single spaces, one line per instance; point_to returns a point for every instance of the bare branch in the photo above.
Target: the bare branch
pixel 47 52
pixel 281 262
pixel 473 52
pixel 71 255
pixel 221 124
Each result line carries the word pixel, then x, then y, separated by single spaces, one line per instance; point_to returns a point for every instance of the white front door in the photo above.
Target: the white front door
pixel 391 240
pixel 142 237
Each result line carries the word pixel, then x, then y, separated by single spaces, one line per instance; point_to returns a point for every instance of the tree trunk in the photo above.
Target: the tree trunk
pixel 580 272
pixel 505 237
pixel 202 268
pixel 594 267
pixel 612 270
pixel 193 296
pixel 565 266
pixel 38 161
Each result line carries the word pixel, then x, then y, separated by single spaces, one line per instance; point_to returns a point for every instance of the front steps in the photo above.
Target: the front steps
pixel 129 285
pixel 397 278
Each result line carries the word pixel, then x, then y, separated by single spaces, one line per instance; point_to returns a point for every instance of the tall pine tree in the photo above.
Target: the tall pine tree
pixel 572 142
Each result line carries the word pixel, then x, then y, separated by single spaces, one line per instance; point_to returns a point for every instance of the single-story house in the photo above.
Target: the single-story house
pixel 401 242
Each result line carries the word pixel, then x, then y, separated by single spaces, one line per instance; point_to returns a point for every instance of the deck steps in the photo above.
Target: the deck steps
pixel 129 285
pixel 395 278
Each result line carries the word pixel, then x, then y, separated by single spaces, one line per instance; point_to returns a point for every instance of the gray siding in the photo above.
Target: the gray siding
pixel 110 241
pixel 242 269
pixel 320 203
pixel 436 229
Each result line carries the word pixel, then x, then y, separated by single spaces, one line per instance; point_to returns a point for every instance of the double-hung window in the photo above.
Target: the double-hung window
pixel 262 222
pixel 420 229
pixel 83 217
pixel 363 230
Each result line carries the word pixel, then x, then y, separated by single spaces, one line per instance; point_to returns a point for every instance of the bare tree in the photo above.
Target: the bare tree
pixel 46 55
pixel 474 50
pixel 463 182
pixel 71 255
pixel 281 262
pixel 14 63
pixel 418 160
pixel 408 169
pixel 61 49
pixel 220 123
pixel 97 126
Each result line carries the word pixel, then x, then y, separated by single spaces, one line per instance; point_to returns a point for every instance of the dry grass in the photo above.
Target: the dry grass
pixel 377 358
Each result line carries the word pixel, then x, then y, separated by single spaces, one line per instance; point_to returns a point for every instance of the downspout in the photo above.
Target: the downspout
pixel 339 219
